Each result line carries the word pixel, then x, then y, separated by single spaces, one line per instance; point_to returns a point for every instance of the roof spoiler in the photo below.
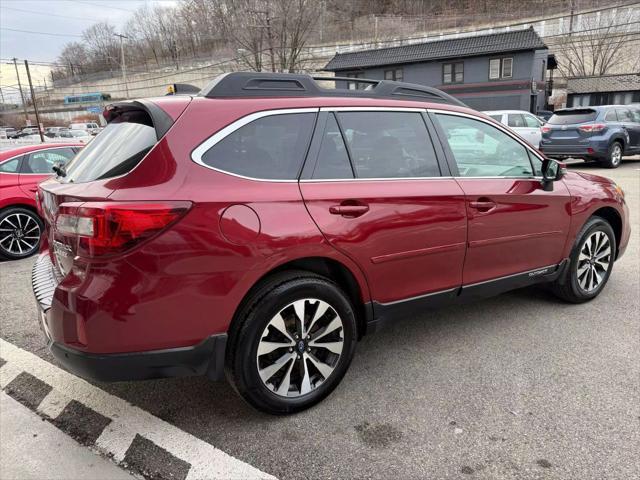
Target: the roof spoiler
pixel 162 122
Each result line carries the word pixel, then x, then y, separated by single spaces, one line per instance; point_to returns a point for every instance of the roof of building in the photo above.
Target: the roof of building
pixel 511 41
pixel 604 83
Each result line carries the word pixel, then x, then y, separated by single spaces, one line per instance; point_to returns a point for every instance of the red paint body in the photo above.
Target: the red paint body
pixel 418 236
pixel 20 189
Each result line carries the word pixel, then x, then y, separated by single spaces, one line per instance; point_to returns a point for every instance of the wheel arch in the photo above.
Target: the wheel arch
pixel 614 219
pixel 327 267
pixel 26 206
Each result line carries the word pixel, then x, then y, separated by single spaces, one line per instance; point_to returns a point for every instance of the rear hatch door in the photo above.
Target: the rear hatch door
pixel 564 126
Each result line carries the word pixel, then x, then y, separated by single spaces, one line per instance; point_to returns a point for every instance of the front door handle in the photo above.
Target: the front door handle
pixel 483 205
pixel 349 210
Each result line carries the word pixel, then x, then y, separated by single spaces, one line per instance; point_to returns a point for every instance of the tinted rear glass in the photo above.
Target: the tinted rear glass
pixel 271 147
pixel 115 151
pixel 573 116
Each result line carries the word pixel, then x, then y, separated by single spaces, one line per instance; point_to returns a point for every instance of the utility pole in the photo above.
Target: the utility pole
pixel 571 17
pixel 33 99
pixel 24 104
pixel 123 65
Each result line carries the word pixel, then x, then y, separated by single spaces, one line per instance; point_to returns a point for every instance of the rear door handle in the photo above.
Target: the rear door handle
pixel 349 210
pixel 483 205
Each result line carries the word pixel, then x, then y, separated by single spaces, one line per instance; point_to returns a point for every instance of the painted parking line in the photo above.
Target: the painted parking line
pixel 132 437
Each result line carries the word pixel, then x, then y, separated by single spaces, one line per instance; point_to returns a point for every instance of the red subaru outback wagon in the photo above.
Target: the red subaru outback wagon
pixel 260 228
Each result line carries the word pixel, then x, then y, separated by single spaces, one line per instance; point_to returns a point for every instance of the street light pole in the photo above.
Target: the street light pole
pixel 123 65
pixel 34 101
pixel 24 104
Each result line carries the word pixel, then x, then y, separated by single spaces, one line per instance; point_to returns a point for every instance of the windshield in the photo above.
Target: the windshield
pixel 115 151
pixel 566 117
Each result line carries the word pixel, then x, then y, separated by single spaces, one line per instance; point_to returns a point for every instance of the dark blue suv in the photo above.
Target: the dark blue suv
pixel 603 133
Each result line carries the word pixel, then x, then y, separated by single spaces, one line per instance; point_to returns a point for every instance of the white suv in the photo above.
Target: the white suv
pixel 525 124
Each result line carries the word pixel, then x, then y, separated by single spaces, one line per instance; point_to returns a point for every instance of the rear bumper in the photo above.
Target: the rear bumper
pixel 592 149
pixel 204 358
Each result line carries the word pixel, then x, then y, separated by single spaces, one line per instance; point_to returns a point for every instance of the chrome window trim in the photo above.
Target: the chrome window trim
pixel 373 109
pixel 200 150
pixel 498 126
pixel 377 179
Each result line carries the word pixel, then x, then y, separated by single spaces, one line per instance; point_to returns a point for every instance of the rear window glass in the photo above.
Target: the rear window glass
pixel 271 148
pixel 115 151
pixel 389 144
pixel 573 116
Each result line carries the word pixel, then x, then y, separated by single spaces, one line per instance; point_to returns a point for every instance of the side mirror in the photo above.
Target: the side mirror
pixel 552 171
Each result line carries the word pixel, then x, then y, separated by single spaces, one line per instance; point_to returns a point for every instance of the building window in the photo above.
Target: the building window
pixel 500 68
pixel 396 75
pixel 453 72
pixel 355 85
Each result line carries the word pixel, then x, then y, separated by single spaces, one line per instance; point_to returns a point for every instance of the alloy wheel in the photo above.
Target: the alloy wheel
pixel 300 347
pixel 593 261
pixel 19 234
pixel 616 154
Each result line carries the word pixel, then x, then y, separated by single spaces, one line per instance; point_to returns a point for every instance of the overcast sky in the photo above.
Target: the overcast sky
pixel 64 18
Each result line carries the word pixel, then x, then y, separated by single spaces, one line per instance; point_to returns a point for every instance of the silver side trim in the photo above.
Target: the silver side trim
pixel 373 109
pixel 201 149
pixel 417 297
pixel 548 267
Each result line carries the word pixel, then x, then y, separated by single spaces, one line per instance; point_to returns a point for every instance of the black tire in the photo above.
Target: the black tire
pixel 614 155
pixel 568 286
pixel 273 295
pixel 10 216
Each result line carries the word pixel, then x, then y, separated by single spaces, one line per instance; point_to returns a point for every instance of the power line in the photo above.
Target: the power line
pixel 103 6
pixel 48 14
pixel 42 33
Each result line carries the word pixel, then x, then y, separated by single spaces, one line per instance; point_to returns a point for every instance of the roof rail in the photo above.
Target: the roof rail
pixel 267 84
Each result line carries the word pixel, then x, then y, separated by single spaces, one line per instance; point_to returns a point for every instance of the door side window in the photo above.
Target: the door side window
pixel 10 166
pixel 386 144
pixel 42 162
pixel 481 150
pixel 515 120
pixel 531 122
pixel 623 115
pixel 271 147
pixel 333 159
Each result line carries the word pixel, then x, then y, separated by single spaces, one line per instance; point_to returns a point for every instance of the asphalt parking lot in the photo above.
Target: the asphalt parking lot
pixel 521 386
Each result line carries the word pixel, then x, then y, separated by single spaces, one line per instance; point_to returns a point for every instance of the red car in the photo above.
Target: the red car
pixel 21 169
pixel 263 226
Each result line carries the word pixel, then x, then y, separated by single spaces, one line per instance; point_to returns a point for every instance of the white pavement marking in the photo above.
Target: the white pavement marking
pixel 53 404
pixel 8 372
pixel 206 460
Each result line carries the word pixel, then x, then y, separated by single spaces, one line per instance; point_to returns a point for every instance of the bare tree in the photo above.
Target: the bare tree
pixel 600 45
pixel 268 34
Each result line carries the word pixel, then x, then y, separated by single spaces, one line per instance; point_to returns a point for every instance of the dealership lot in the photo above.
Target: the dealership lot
pixel 518 386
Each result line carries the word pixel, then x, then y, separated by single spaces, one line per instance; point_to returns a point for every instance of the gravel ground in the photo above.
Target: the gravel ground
pixel 518 386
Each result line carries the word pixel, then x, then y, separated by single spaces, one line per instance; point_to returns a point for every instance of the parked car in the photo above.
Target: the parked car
pixel 544 115
pixel 603 133
pixel 91 127
pixel 21 169
pixel 8 132
pixel 264 226
pixel 524 123
pixel 54 132
pixel 77 135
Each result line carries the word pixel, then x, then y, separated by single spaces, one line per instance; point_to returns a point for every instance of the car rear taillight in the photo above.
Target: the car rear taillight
pixel 592 127
pixel 109 228
pixel 545 129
